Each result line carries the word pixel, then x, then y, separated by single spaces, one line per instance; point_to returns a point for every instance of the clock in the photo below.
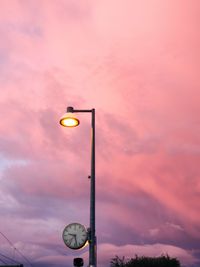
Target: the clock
pixel 75 235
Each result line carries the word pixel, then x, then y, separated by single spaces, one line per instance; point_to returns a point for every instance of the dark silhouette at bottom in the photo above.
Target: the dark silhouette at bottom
pixel 162 261
pixel 78 262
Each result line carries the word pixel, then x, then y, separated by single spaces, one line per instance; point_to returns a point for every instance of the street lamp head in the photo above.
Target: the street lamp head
pixel 69 120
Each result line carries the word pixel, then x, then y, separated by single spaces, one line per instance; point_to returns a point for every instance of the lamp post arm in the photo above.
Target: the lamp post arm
pixel 72 110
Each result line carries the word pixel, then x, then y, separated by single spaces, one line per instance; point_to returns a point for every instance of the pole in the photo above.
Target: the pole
pixel 92 244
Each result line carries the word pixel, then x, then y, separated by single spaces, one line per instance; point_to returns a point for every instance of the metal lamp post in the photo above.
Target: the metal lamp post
pixel 69 120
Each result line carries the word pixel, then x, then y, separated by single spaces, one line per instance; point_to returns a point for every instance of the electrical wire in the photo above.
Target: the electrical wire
pixel 14 261
pixel 4 262
pixel 19 252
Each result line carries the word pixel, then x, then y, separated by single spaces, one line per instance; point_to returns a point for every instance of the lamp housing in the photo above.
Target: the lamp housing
pixel 69 120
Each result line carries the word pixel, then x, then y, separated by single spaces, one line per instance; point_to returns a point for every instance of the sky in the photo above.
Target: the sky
pixel 137 63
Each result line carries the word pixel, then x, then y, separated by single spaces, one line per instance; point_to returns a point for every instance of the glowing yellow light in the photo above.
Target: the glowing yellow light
pixel 68 120
pixel 85 245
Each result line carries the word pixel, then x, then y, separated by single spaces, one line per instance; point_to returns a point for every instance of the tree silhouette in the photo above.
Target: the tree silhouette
pixel 162 261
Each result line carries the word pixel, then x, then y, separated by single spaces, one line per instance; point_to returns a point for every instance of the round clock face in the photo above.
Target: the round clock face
pixel 75 235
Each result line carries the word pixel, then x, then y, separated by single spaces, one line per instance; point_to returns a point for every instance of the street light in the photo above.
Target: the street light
pixel 70 120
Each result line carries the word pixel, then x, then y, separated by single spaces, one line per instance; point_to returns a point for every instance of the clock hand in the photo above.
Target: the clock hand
pixel 73 237
pixel 70 241
pixel 76 241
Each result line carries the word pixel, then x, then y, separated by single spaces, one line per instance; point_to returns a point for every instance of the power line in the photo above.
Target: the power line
pixel 8 240
pixel 9 258
pixel 3 261
pixel 11 244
